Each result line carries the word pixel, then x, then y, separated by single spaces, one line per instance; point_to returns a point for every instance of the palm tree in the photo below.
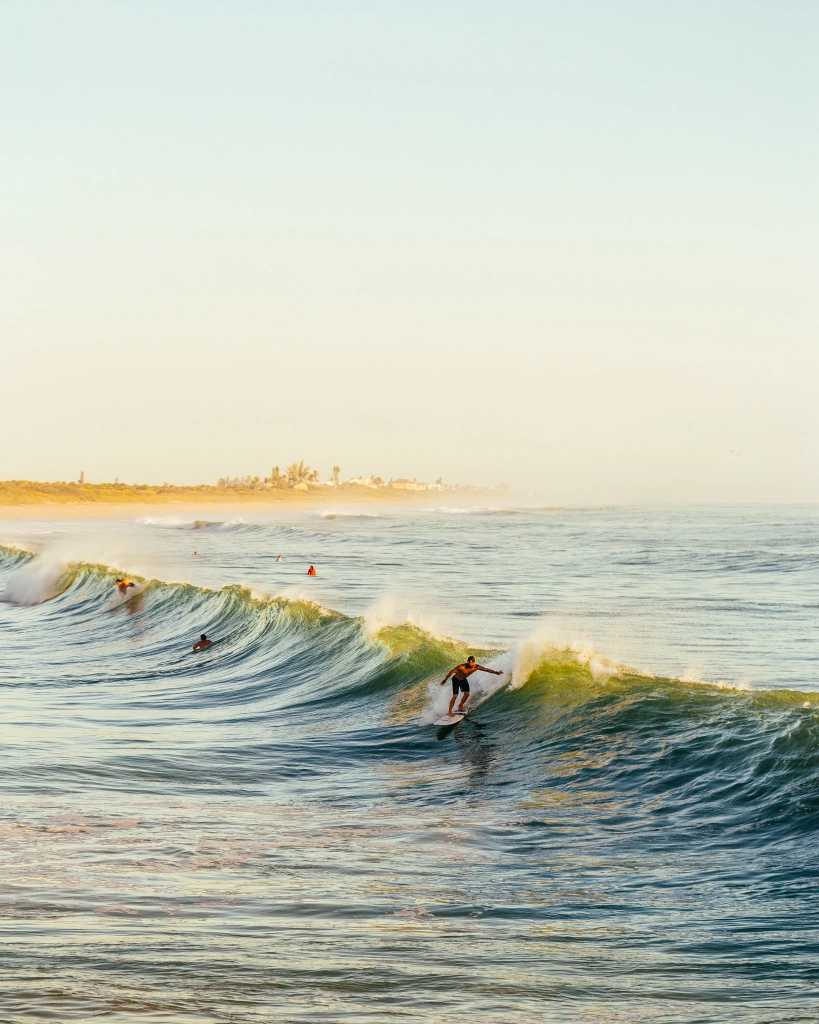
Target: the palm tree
pixel 300 473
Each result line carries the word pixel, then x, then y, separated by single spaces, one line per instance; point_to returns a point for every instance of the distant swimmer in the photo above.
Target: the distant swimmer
pixel 460 681
pixel 202 643
pixel 123 583
pixel 311 571
pixel 279 558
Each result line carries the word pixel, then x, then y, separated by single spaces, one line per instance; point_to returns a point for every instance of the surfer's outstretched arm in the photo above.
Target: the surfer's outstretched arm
pixel 443 681
pixel 494 671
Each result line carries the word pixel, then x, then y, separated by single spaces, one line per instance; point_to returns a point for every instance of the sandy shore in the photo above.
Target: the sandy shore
pixel 124 510
pixel 115 510
pixel 218 509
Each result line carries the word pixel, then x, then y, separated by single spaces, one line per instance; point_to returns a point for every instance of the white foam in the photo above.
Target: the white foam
pixel 475 510
pixel 34 582
pixel 392 609
pixel 742 684
pixel 333 514
pixel 693 675
pixel 178 523
pixel 601 667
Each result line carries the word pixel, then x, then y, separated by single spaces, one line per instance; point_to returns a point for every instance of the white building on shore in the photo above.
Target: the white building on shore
pixel 403 484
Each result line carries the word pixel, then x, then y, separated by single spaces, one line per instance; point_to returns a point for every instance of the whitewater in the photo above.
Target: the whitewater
pixel 624 829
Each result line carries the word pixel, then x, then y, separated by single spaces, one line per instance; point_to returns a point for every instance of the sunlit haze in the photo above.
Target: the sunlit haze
pixel 569 246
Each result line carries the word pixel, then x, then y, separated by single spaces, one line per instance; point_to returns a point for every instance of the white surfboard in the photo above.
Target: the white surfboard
pixel 450 719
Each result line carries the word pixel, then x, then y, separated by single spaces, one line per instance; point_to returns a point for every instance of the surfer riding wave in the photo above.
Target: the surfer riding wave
pixel 460 681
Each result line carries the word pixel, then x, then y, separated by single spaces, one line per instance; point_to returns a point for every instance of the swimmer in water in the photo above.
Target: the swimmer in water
pixel 311 571
pixel 123 583
pixel 279 558
pixel 202 643
pixel 460 681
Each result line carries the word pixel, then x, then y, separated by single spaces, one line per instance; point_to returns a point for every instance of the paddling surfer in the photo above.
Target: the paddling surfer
pixel 460 681
pixel 202 643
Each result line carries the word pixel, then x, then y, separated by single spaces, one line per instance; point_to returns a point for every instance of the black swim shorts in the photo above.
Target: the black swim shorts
pixel 460 684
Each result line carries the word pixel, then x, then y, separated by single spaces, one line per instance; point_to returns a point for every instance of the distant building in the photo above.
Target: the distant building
pixel 402 484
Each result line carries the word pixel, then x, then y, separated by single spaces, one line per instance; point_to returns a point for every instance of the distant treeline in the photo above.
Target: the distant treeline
pixel 297 473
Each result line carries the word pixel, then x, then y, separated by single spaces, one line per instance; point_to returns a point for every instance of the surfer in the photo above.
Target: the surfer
pixel 123 583
pixel 311 571
pixel 202 643
pixel 279 558
pixel 460 681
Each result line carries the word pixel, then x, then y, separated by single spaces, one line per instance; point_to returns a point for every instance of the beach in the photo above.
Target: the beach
pixel 227 502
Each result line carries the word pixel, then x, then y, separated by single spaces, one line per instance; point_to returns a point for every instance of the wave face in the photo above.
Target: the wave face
pixel 274 827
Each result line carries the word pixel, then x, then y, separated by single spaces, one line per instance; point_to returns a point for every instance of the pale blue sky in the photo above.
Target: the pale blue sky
pixel 573 246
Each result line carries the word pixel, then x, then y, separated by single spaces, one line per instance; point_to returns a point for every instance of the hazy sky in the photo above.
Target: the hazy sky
pixel 573 246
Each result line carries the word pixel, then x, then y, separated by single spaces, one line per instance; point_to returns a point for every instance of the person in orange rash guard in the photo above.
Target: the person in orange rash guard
pixel 123 583
pixel 311 571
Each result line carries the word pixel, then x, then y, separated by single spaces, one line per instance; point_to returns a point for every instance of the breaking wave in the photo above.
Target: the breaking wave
pixel 334 689
pixel 217 526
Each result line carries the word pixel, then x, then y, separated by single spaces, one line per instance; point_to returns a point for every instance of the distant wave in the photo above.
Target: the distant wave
pixel 352 515
pixel 176 523
pixel 451 510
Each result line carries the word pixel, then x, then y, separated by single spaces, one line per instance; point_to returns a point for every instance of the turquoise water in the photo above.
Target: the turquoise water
pixel 624 829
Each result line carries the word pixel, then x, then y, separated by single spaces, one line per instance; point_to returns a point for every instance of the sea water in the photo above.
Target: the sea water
pixel 623 829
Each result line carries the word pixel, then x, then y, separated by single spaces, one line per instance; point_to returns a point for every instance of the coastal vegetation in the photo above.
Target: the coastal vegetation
pixel 297 482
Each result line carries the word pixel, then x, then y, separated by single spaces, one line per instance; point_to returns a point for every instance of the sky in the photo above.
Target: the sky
pixel 572 246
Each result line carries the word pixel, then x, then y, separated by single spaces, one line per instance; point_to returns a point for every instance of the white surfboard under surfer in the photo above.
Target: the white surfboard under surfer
pixel 460 681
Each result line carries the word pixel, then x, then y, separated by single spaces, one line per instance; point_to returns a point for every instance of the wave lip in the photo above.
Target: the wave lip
pixel 33 581
pixel 352 515
pixel 216 525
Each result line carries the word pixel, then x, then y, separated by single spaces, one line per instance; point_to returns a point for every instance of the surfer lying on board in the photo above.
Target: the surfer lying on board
pixel 123 583
pixel 460 681
pixel 202 643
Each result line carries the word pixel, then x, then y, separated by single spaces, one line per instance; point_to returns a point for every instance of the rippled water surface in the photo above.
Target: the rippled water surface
pixel 623 829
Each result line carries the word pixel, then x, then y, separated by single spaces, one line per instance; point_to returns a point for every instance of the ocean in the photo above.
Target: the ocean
pixel 624 828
